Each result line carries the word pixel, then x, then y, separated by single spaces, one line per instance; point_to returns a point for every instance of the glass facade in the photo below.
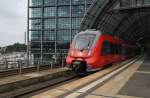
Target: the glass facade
pixel 134 3
pixel 53 24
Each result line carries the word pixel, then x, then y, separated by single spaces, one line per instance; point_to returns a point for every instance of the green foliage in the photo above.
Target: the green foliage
pixel 17 47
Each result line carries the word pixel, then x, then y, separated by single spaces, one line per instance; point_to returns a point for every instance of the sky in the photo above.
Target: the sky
pixel 13 21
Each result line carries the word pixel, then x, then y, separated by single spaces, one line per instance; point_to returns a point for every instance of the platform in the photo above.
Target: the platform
pixel 128 79
pixel 132 82
pixel 139 84
pixel 12 83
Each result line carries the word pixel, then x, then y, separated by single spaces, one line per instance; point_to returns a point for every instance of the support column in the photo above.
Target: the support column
pixel 28 50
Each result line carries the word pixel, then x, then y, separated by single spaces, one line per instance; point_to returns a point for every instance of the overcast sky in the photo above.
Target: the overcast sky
pixel 13 22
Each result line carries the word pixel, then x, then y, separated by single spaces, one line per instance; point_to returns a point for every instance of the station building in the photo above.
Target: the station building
pixel 52 24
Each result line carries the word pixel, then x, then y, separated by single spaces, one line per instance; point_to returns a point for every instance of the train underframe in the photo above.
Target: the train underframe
pixel 79 67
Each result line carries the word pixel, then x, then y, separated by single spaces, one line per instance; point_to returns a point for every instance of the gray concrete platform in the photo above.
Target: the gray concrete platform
pixel 94 85
pixel 12 83
pixel 139 84
pixel 132 82
pixel 129 83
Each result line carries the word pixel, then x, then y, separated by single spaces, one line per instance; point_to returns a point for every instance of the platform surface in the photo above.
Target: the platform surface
pixel 21 77
pixel 139 84
pixel 133 82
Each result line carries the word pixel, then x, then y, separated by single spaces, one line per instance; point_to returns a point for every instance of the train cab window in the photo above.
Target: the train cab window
pixel 106 48
pixel 84 41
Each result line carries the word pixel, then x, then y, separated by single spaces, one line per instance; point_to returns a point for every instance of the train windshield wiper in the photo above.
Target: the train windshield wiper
pixel 86 47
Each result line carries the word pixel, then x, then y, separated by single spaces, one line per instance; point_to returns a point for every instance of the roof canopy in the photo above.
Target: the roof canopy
pixel 126 19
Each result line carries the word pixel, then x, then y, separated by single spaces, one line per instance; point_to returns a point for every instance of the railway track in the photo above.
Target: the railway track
pixel 76 82
pixel 24 70
pixel 39 86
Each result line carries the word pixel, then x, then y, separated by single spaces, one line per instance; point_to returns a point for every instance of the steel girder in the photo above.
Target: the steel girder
pixel 127 23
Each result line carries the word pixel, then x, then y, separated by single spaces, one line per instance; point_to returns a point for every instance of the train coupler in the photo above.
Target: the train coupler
pixel 79 67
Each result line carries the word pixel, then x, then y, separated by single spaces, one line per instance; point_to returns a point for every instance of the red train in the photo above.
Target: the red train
pixel 91 51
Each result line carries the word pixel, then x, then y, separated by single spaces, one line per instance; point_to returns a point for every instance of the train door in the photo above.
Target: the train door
pixel 118 51
pixel 106 53
pixel 123 52
pixel 113 52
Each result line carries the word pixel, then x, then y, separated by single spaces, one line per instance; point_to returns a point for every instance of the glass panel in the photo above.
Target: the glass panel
pixel 125 3
pixel 76 23
pixel 146 1
pixel 36 56
pixel 49 2
pixel 36 45
pixel 64 11
pixel 35 35
pixel 87 7
pixel 49 11
pixel 47 58
pixel 48 47
pixel 64 2
pixel 63 45
pixel 78 1
pixel 62 51
pixel 139 2
pixel 49 35
pixel 36 12
pixel 89 1
pixel 36 2
pixel 49 24
pixel 78 11
pixel 35 24
pixel 64 23
pixel 63 35
pixel 74 32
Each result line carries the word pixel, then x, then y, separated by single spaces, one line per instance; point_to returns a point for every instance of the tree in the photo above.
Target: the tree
pixel 17 47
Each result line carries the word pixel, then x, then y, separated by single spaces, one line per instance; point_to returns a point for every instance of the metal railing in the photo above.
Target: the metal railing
pixel 21 66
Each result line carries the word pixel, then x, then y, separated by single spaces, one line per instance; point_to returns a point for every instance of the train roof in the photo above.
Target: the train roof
pixel 91 31
pixel 107 36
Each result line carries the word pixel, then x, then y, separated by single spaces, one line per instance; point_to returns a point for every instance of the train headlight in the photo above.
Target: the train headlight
pixel 90 52
pixel 72 53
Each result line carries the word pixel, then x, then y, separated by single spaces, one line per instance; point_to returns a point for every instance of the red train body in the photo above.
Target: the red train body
pixel 91 51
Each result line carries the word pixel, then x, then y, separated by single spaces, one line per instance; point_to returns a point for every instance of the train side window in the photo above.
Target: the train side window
pixel 120 49
pixel 123 50
pixel 112 48
pixel 106 49
pixel 116 49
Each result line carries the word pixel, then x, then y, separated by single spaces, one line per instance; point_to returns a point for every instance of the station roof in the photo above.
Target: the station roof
pixel 125 19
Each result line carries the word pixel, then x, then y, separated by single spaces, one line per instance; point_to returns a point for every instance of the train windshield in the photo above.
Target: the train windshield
pixel 84 41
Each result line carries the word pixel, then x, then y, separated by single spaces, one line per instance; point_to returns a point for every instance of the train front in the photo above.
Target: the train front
pixel 81 51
